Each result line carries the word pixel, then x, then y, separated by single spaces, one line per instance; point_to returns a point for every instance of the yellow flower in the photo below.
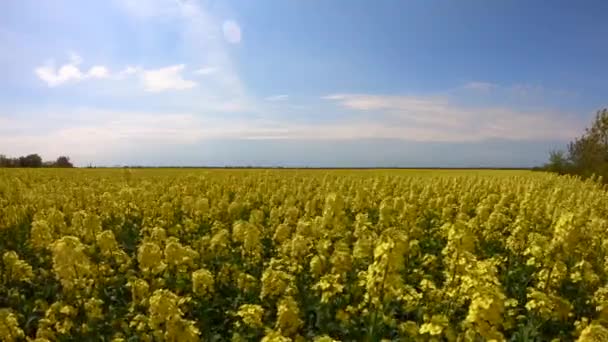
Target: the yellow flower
pixel 275 283
pixel 251 315
pixel 106 242
pixel 9 327
pixel 275 336
pixel 181 257
pixel 435 326
pixel 93 308
pixel 342 316
pixel 281 233
pixel 288 320
pixel 202 282
pixel 316 266
pixel 595 332
pixel 409 328
pixel 324 338
pixel 85 225
pixel 220 241
pixel 15 268
pixel 164 306
pixel 139 290
pixel 150 258
pixel 41 234
pixel 181 330
pixel 329 286
pixel 246 282
pixel 70 263
pixel 249 235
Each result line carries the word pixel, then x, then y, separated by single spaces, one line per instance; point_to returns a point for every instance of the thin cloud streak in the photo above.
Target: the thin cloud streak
pixel 167 78
pixel 277 98
pixel 439 119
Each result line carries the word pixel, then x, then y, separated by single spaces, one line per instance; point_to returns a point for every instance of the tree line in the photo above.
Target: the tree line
pixel 586 155
pixel 34 160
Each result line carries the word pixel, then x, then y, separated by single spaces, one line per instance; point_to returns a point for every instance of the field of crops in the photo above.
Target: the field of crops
pixel 288 255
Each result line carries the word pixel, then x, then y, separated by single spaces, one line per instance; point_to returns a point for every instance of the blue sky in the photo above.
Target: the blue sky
pixel 299 83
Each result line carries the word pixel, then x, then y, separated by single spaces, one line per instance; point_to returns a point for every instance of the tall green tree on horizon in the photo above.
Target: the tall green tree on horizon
pixel 587 155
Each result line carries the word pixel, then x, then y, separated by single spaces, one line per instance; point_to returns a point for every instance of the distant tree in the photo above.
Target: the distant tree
pixel 32 160
pixel 63 161
pixel 588 154
pixel 558 162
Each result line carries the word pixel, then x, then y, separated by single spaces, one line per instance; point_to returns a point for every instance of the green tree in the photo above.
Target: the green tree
pixel 32 160
pixel 588 154
pixel 63 161
pixel 558 162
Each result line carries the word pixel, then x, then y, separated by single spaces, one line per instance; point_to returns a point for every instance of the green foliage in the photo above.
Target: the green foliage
pixel 33 160
pixel 587 155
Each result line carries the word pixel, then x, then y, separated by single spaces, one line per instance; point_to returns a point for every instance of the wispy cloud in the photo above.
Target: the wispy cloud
pixel 167 78
pixel 277 98
pixel 206 70
pixel 441 119
pixel 480 86
pixel 202 41
pixel 232 31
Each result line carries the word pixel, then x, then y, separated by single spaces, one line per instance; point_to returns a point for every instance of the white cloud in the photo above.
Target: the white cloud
pixel 69 72
pixel 54 77
pixel 232 31
pixel 206 71
pixel 167 78
pixel 127 71
pixel 480 86
pixel 98 71
pixel 277 98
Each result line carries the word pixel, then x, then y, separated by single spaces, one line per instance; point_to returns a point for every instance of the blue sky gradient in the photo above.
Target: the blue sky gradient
pixel 299 83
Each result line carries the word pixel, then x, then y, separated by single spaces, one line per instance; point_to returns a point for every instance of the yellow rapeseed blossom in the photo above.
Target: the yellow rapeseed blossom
pixel 93 308
pixel 202 282
pixel 179 256
pixel 329 286
pixel 9 327
pixel 594 333
pixel 164 306
pixel 16 269
pixel 275 336
pixel 139 290
pixel 301 255
pixel 275 283
pixel 70 263
pixel 150 258
pixel 251 315
pixel 181 330
pixel 107 242
pixel 41 234
pixel 325 338
pixel 288 316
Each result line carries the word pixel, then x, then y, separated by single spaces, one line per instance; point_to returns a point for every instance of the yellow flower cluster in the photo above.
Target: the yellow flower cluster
pixel 16 269
pixel 9 327
pixel 71 265
pixel 261 255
